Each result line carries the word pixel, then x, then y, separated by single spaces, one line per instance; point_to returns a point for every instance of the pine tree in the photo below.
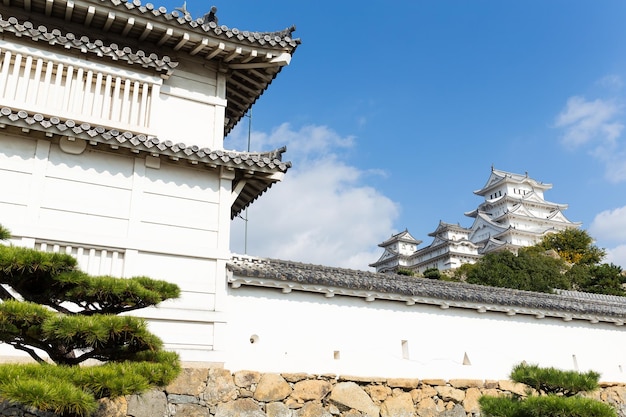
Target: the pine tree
pixel 59 315
pixel 558 394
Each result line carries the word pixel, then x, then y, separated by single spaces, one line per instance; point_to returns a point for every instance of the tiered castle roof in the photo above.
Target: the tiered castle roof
pixel 513 214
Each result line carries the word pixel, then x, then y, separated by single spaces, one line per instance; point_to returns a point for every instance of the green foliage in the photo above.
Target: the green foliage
pixel 528 270
pixel 70 390
pixel 545 406
pixel 574 246
pixel 537 268
pixel 534 269
pixel 599 279
pixel 4 233
pixel 406 272
pixel 58 397
pixel 51 309
pixel 558 395
pixel 432 273
pixel 506 406
pixel 555 381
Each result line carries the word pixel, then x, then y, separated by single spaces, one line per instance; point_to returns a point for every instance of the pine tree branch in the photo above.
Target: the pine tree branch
pixel 5 295
pixel 28 350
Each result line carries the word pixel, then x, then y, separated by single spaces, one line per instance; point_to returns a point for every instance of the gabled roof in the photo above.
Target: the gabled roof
pixel 154 36
pixel 499 177
pixel 444 227
pixel 387 256
pixel 330 281
pixel 267 167
pixel 403 236
pixel 493 244
pixel 485 220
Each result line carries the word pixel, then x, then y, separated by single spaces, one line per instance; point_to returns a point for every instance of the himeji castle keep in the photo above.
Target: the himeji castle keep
pixel 513 214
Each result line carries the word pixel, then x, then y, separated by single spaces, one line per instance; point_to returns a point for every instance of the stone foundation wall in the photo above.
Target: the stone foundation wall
pixel 217 392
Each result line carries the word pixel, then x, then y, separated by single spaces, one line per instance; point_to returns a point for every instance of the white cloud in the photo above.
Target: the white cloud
pixel 610 226
pixel 585 121
pixel 612 82
pixel 617 256
pixel 596 127
pixel 323 212
pixel 309 141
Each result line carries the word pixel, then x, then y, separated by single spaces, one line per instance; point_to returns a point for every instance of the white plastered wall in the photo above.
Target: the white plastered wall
pixel 128 216
pixel 191 107
pixel 306 332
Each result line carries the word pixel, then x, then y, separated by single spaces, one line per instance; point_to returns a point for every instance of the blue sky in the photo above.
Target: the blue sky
pixel 394 114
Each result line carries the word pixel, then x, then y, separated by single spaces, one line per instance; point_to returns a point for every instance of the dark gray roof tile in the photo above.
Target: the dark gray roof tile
pixel 163 65
pixel 265 164
pixel 307 277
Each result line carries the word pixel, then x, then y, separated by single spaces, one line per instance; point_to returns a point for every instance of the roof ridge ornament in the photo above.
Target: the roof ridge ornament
pixel 211 16
pixel 183 10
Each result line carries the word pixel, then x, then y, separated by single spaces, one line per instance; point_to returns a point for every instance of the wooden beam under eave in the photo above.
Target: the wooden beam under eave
pixel 168 34
pixel 237 189
pixel 129 25
pixel 69 10
pixel 220 47
pixel 244 87
pixel 109 21
pixel 200 46
pixel 48 9
pixel 27 5
pixel 233 92
pixel 182 41
pixel 262 75
pixel 255 83
pixel 232 56
pixel 241 106
pixel 253 54
pixel 146 31
pixel 91 11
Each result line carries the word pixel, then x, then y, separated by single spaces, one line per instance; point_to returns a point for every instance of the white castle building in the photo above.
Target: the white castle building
pixel 513 214
pixel 112 123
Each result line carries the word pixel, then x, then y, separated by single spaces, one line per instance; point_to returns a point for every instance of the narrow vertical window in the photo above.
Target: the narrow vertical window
pixel 405 349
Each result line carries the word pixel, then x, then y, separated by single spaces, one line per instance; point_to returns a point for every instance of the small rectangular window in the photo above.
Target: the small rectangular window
pixel 405 349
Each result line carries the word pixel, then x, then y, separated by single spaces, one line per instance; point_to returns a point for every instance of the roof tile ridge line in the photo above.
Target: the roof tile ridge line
pixel 240 259
pixel 84 44
pixel 199 22
pixel 309 266
pixel 275 153
pixel 129 136
pixel 470 302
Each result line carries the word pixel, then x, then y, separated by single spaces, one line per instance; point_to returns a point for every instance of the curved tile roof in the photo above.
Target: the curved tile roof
pixel 250 60
pixel 163 65
pixel 265 164
pixel 330 280
pixel 280 38
pixel 498 177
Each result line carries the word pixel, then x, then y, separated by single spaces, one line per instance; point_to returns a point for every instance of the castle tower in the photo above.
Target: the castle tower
pixel 513 214
pixel 112 123
pixel 398 250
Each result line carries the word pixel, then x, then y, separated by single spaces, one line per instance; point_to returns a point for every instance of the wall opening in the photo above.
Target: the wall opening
pixel 405 349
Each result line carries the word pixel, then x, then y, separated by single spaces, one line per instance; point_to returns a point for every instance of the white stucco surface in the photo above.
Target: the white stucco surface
pixel 304 332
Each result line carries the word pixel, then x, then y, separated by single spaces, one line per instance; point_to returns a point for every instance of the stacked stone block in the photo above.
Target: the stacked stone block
pixel 217 392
